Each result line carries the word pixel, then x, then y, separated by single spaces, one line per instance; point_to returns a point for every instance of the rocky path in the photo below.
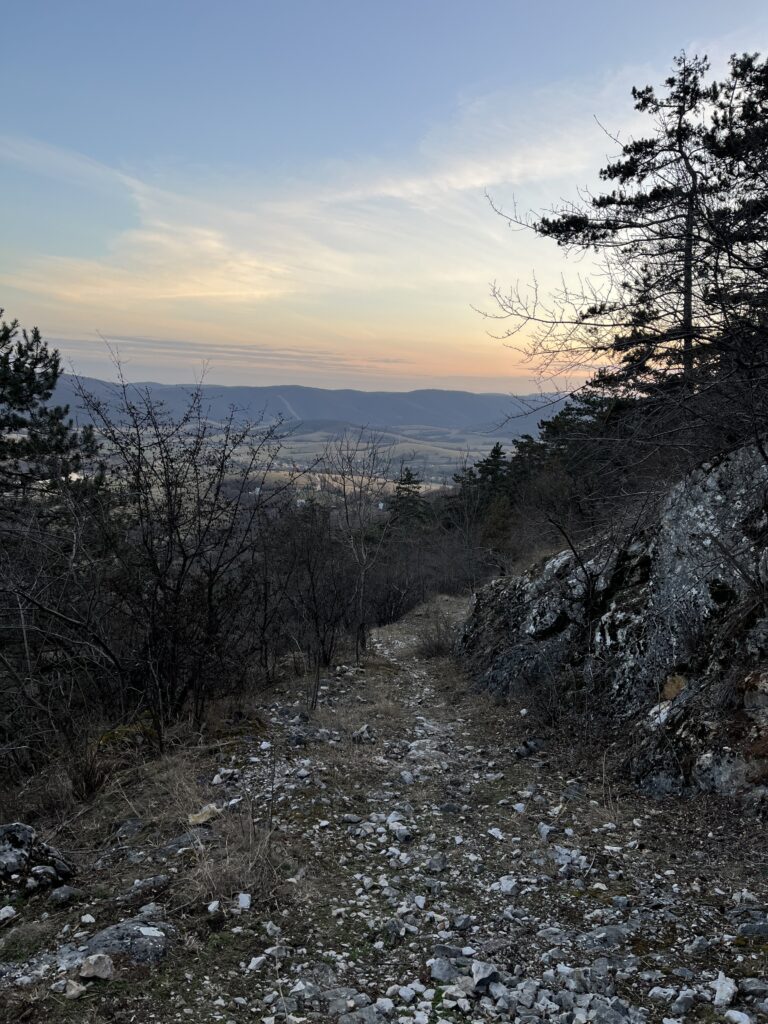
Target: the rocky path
pixel 433 860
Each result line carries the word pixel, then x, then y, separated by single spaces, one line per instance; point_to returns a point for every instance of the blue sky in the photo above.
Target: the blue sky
pixel 293 191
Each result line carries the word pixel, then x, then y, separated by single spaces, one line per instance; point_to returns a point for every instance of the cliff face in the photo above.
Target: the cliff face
pixel 666 632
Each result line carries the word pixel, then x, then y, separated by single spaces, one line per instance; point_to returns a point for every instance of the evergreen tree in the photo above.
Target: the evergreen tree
pixel 483 496
pixel 408 505
pixel 37 441
pixel 492 473
pixel 466 478
pixel 648 314
pixel 737 139
pixel 673 324
pixel 651 227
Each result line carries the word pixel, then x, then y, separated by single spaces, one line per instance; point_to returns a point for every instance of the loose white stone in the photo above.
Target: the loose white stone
pixel 99 965
pixel 725 989
pixel 481 971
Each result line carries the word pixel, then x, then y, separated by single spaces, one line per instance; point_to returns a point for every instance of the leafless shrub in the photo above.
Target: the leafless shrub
pixel 436 637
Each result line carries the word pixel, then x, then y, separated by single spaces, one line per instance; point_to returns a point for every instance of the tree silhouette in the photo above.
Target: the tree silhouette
pixel 37 441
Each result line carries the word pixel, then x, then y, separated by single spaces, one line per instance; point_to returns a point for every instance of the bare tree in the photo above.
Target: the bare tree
pixel 357 467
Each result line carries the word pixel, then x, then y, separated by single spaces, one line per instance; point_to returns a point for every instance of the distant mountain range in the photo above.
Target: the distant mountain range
pixel 462 411
pixel 433 431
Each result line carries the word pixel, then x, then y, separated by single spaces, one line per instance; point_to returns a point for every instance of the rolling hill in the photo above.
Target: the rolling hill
pixel 434 429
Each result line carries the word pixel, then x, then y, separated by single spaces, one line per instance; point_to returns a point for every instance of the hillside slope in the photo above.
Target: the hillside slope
pixel 663 633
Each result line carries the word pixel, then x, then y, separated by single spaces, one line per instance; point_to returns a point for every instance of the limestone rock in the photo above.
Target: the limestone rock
pixel 73 989
pixel 98 965
pixel 648 619
pixel 204 815
pixel 23 853
pixel 64 894
pixel 142 941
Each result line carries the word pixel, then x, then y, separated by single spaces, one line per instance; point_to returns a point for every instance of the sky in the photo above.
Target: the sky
pixel 295 191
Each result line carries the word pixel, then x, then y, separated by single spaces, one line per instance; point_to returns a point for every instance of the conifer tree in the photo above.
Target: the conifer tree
pixel 737 140
pixel 492 473
pixel 37 441
pixel 408 505
pixel 647 309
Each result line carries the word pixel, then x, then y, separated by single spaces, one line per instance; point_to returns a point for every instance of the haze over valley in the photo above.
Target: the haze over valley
pixel 434 431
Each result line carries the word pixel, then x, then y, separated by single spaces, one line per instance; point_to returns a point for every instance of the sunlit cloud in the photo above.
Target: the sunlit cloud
pixel 161 262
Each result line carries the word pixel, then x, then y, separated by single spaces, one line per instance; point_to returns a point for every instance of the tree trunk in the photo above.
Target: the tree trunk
pixel 688 293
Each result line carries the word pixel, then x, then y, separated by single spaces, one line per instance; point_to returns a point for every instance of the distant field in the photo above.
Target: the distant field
pixel 432 430
pixel 435 453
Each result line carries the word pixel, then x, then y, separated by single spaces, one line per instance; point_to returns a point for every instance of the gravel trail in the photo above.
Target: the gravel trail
pixel 437 859
pixel 458 866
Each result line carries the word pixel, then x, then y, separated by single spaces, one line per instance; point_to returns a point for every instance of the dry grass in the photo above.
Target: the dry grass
pixel 243 858
pixel 25 939
pixel 239 855
pixel 160 794
pixel 435 637
pixel 46 795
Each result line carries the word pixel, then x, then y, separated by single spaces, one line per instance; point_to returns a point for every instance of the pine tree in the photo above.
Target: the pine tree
pixel 408 505
pixel 37 441
pixel 492 473
pixel 651 227
pixel 648 310
pixel 737 140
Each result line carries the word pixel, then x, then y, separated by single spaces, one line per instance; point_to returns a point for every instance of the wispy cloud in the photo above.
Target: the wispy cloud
pixel 62 164
pixel 127 348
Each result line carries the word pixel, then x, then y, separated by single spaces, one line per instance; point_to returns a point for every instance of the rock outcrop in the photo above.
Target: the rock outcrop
pixel 665 631
pixel 141 940
pixel 25 858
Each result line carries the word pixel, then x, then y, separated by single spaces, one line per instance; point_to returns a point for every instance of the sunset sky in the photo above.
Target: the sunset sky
pixel 293 191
